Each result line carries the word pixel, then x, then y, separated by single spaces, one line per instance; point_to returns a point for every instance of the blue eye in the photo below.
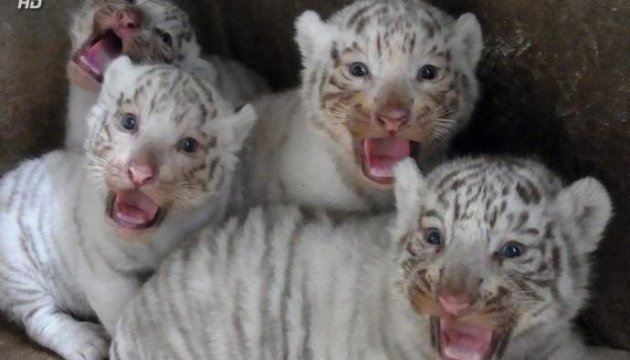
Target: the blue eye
pixel 129 122
pixel 428 72
pixel 433 236
pixel 512 250
pixel 358 69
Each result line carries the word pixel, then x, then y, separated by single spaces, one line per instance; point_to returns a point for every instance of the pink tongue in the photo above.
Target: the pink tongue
pixel 464 342
pixel 101 53
pixel 381 155
pixel 134 208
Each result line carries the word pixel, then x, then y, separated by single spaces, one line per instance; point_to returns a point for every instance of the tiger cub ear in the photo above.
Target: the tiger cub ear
pixel 234 129
pixel 121 76
pixel 467 40
pixel 312 34
pixel 408 189
pixel 118 69
pixel 584 209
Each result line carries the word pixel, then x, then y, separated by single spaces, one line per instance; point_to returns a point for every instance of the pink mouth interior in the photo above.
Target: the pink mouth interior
pixel 133 209
pixel 463 341
pixel 96 57
pixel 380 155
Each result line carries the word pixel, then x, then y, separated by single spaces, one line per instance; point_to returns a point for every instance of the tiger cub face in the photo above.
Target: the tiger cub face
pixel 160 141
pixel 497 247
pixel 388 80
pixel 147 31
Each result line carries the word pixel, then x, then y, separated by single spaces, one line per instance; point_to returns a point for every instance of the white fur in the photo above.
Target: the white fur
pixel 585 203
pixel 408 192
pixel 237 83
pixel 61 257
pixel 468 40
pixel 282 283
pixel 291 157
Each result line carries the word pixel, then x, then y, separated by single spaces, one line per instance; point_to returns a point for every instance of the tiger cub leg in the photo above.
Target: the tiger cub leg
pixel 52 328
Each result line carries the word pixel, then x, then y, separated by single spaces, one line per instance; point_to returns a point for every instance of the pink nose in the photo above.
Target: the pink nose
pixel 128 19
pixel 142 174
pixel 454 305
pixel 393 119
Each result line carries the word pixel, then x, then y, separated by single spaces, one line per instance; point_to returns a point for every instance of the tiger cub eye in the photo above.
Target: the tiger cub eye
pixel 188 145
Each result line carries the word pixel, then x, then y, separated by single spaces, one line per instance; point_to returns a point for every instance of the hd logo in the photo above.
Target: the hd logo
pixel 29 4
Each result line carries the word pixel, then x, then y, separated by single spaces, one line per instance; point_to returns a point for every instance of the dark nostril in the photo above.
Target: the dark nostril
pixel 128 19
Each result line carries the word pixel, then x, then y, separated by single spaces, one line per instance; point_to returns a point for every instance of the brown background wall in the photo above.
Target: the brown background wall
pixel 556 80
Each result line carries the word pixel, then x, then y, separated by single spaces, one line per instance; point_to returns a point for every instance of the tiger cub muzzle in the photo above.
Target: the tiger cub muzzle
pixel 467 323
pixel 385 131
pixel 117 30
pixel 137 199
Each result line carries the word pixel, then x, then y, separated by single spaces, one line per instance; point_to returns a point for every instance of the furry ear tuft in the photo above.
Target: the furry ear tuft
pixel 311 33
pixel 584 209
pixel 408 189
pixel 117 69
pixel 467 41
pixel 234 129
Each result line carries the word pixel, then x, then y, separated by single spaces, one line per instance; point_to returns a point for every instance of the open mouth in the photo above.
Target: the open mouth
pixel 379 156
pixel 133 210
pixel 461 341
pixel 100 51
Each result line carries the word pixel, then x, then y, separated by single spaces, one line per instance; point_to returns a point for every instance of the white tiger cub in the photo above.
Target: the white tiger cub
pixel 148 31
pixel 383 80
pixel 484 259
pixel 79 234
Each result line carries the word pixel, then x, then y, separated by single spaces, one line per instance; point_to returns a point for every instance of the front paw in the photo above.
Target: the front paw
pixel 86 341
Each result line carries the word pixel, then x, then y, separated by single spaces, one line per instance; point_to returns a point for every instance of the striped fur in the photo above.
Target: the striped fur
pixel 235 82
pixel 324 122
pixel 63 259
pixel 284 283
pixel 481 205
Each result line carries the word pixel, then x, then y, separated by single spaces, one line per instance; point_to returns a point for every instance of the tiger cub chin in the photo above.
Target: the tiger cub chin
pixel 382 80
pixel 147 31
pixel 81 233
pixel 483 259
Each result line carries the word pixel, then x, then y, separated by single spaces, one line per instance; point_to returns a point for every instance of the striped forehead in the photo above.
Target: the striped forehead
pixel 185 99
pixel 168 17
pixel 494 194
pixel 406 26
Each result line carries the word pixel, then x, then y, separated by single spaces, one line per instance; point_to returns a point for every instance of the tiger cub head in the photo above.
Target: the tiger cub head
pixel 386 80
pixel 147 31
pixel 494 247
pixel 161 141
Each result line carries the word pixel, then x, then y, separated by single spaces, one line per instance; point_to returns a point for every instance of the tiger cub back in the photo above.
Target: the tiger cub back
pixel 483 259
